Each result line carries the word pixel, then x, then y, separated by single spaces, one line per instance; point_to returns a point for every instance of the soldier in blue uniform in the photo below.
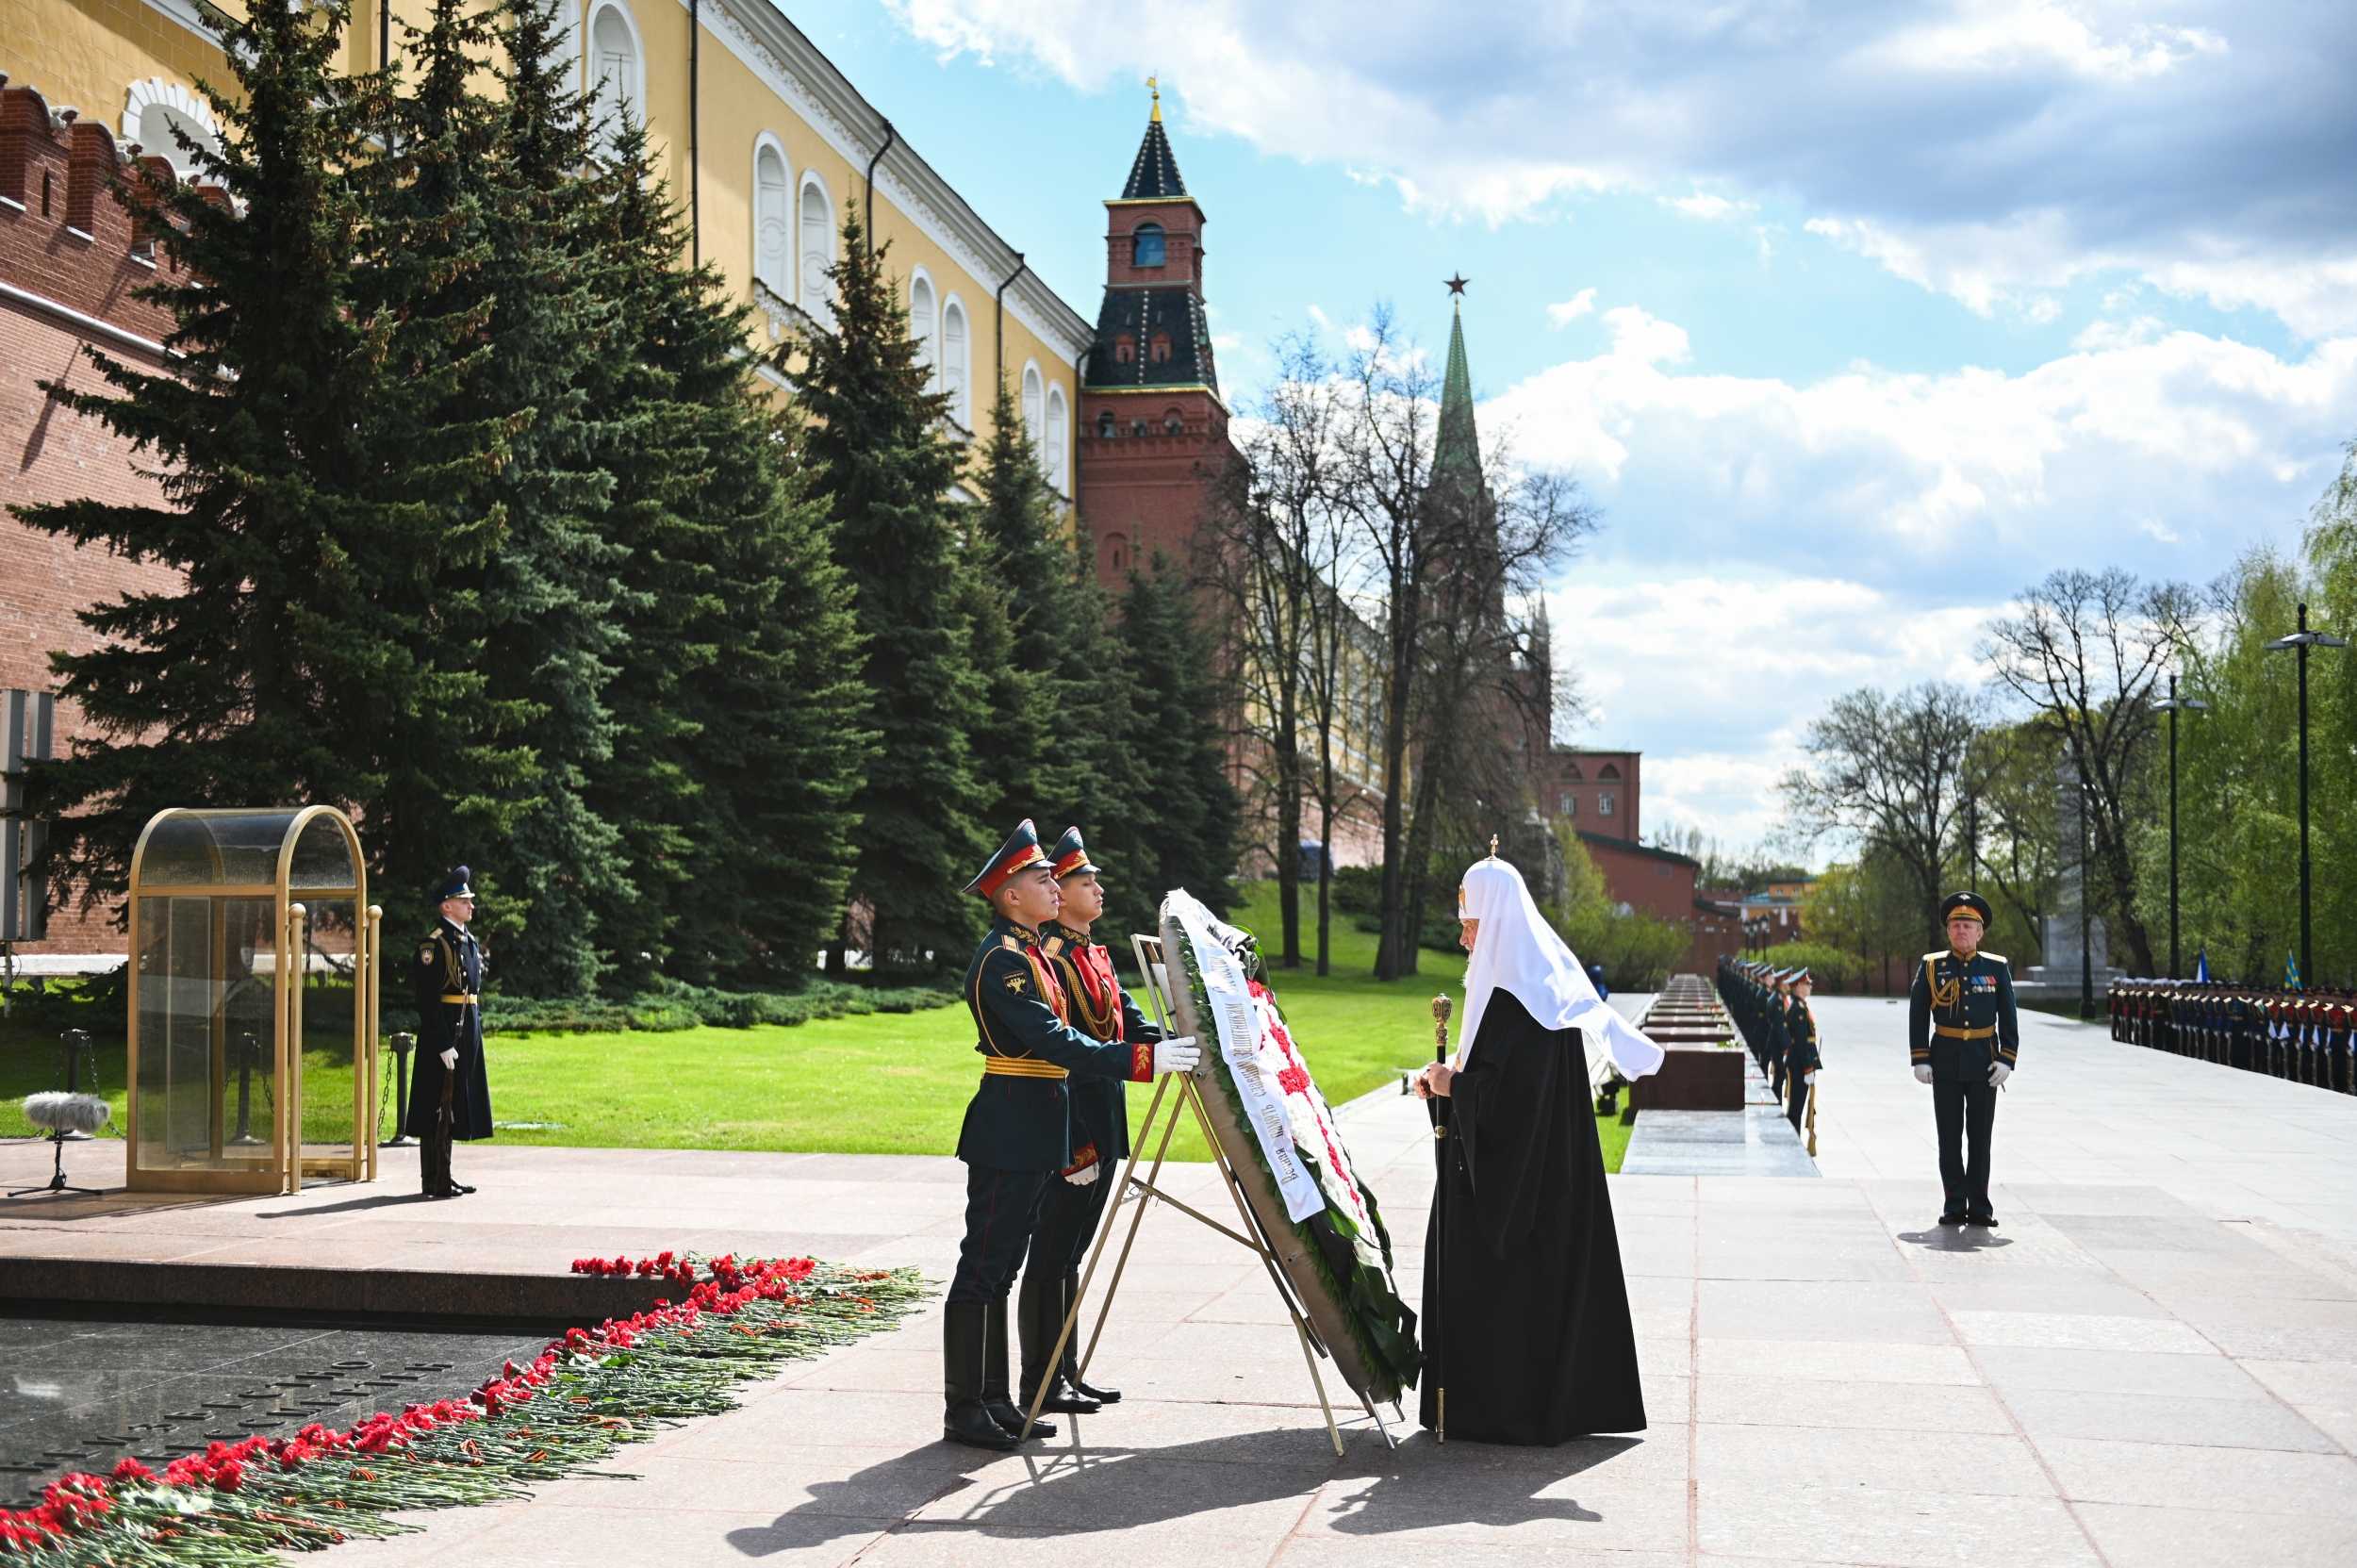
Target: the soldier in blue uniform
pixel 1963 1038
pixel 1068 1213
pixel 1801 1059
pixel 1779 1027
pixel 1018 1131
pixel 449 1095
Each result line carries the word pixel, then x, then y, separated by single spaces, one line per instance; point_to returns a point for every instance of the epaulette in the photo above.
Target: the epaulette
pixel 1051 947
pixel 1999 957
pixel 1936 952
pixel 1008 944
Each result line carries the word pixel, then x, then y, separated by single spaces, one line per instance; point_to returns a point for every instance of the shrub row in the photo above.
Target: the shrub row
pixel 675 1006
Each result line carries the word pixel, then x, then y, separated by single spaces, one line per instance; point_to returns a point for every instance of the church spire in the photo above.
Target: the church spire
pixel 1154 176
pixel 1456 449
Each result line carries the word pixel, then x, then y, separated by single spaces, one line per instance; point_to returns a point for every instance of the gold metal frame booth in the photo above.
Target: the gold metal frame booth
pixel 238 919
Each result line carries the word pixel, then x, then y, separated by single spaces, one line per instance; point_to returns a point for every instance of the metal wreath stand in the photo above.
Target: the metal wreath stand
pixel 1139 1191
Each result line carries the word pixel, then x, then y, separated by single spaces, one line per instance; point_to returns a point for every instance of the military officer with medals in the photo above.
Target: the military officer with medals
pixel 1069 1212
pixel 1801 1059
pixel 1963 1039
pixel 1018 1132
pixel 450 1094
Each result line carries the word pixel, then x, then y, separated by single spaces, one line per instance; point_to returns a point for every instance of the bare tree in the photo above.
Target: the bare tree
pixel 1441 560
pixel 1885 770
pixel 2084 650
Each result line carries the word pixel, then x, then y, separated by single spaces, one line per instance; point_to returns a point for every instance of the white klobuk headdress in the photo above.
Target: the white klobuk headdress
pixel 1517 950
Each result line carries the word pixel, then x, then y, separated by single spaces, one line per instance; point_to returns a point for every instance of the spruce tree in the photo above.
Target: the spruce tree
pixel 1187 817
pixel 541 607
pixel 304 463
pixel 738 701
pixel 883 469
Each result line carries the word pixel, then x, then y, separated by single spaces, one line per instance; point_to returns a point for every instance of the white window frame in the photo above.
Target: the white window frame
pixel 819 300
pixel 926 334
pixel 781 284
pixel 1056 437
pixel 1033 402
pixel 961 360
pixel 1604 803
pixel 634 89
pixel 159 93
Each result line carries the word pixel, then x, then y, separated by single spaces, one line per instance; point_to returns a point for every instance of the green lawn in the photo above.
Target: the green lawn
pixel 880 1084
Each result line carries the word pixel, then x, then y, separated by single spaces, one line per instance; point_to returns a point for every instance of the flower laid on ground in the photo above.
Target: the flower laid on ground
pixel 237 1505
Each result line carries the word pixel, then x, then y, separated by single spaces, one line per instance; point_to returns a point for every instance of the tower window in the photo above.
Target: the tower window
pixel 1105 426
pixel 1172 423
pixel 1124 350
pixel 1117 552
pixel 1608 771
pixel 1137 427
pixel 1604 803
pixel 1157 350
pixel 1150 249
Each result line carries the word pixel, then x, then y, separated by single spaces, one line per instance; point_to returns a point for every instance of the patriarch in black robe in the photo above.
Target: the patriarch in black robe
pixel 1526 1321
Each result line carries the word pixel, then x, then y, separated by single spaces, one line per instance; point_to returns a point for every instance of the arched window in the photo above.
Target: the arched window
pixel 618 80
pixel 925 329
pixel 1159 350
pixel 1137 427
pixel 1124 350
pixel 1571 771
pixel 1149 247
pixel 956 375
pixel 1054 453
pixel 1609 771
pixel 1035 411
pixel 153 110
pixel 818 248
pixel 773 220
pixel 1117 553
pixel 1105 426
pixel 1173 424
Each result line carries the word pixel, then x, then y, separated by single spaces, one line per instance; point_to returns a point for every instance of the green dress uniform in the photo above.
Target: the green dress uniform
pixel 1800 1058
pixel 446 974
pixel 1072 1206
pixel 1961 1022
pixel 1018 1135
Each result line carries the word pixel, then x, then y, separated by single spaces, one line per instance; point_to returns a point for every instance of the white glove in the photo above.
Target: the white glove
pixel 1922 1072
pixel 1178 1054
pixel 1809 1076
pixel 1085 1175
pixel 1998 1073
pixel 450 1060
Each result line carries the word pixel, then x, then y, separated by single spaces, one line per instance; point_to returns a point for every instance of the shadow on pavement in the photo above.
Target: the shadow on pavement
pixel 1082 1489
pixel 1955 1238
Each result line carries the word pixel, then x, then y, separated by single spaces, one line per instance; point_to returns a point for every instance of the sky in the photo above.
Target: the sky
pixel 1853 319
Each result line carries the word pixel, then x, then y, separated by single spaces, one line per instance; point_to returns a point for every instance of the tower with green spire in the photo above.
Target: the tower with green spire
pixel 1153 437
pixel 1462 524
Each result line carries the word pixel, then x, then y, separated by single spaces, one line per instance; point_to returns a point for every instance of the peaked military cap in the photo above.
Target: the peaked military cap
pixel 1800 974
pixel 1968 904
pixel 1020 852
pixel 454 884
pixel 1070 857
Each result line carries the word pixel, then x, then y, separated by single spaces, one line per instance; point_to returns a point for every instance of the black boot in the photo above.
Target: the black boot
pixel 962 1417
pixel 994 1398
pixel 1072 1351
pixel 1039 1318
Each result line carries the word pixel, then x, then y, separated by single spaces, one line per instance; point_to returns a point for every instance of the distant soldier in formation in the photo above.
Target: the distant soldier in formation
pixel 1779 1027
pixel 1963 1039
pixel 1018 1131
pixel 1801 1058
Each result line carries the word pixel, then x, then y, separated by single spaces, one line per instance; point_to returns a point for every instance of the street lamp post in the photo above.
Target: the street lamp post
pixel 2086 924
pixel 2174 706
pixel 2300 642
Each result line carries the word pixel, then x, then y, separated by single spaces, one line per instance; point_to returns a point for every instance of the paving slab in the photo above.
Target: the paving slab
pixel 2149 1364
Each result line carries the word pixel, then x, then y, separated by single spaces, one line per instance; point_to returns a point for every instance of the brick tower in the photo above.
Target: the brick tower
pixel 1153 437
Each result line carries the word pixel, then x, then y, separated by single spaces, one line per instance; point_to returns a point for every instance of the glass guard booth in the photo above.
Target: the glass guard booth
pixel 253 1003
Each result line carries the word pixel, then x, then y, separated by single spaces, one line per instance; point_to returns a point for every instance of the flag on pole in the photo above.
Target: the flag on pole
pixel 2291 972
pixel 2201 967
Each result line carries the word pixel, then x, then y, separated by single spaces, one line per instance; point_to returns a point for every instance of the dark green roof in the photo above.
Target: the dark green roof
pixel 1456 449
pixel 1155 175
pixel 1171 309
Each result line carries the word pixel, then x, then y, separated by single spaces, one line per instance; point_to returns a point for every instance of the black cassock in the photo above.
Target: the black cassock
pixel 1532 1336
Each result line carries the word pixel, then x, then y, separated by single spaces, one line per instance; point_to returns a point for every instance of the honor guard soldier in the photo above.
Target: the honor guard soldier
pixel 1800 1057
pixel 1069 1212
pixel 450 1095
pixel 1018 1131
pixel 1779 1027
pixel 1963 1038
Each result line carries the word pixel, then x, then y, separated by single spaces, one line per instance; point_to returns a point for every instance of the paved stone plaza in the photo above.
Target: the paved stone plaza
pixel 2152 1362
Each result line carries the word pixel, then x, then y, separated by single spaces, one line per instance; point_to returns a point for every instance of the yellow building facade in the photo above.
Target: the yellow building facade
pixel 764 143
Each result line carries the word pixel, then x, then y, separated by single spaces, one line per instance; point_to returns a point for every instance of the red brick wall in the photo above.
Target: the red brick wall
pixel 1554 781
pixel 1141 494
pixel 48 452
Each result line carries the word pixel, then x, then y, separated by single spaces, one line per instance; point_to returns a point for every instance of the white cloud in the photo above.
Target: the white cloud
pixel 1567 311
pixel 1644 337
pixel 1992 150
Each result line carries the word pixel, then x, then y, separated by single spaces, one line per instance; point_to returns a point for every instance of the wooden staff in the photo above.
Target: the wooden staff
pixel 1433 1336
